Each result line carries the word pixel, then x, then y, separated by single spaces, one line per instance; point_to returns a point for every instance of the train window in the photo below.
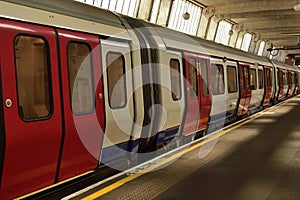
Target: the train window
pixel 116 79
pixel 292 78
pixel 175 79
pixel 203 66
pixel 217 79
pixel 33 77
pixel 193 77
pixel 279 75
pixel 231 79
pixel 268 78
pixel 80 77
pixel 247 78
pixel 253 79
pixel 242 78
pixel 271 77
pixel 285 81
pixel 260 79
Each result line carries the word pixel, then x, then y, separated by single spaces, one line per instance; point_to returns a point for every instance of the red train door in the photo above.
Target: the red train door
pixel 268 86
pixel 198 96
pixel 245 91
pixel 193 94
pixel 205 106
pixel 82 86
pixel 32 110
pixel 280 84
pixel 290 81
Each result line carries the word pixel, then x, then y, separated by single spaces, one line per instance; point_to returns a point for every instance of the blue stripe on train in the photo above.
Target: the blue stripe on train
pixel 166 135
pixel 118 150
pixel 221 116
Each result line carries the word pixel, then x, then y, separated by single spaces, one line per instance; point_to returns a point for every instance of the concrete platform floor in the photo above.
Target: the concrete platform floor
pixel 259 159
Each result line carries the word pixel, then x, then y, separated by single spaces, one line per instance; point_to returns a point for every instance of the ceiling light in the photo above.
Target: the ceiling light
pixel 186 16
pixel 297 7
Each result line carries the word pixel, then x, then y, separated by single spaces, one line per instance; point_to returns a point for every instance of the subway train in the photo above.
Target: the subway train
pixel 83 88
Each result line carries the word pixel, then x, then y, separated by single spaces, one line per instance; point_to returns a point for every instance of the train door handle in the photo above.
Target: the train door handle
pixel 8 103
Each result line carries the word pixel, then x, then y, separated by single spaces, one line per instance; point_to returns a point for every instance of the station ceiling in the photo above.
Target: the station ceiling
pixel 275 21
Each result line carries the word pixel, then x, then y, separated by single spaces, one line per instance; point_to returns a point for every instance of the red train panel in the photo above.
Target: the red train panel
pixel 32 145
pixel 84 129
pixel 268 85
pixel 280 83
pixel 206 99
pixel 193 99
pixel 198 95
pixel 245 91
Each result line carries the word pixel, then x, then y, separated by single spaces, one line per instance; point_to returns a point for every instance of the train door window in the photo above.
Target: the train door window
pixel 271 77
pixel 242 82
pixel 217 79
pixel 193 77
pixel 268 78
pixel 247 78
pixel 116 80
pixel 292 78
pixel 80 77
pixel 175 79
pixel 285 82
pixel 231 79
pixel 33 77
pixel 253 79
pixel 260 79
pixel 280 80
pixel 203 66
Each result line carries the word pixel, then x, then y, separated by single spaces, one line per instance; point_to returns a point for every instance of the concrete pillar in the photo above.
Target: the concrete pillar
pixel 207 13
pixel 212 28
pixel 239 39
pixel 254 44
pixel 163 13
pixel 233 38
pixel 144 10
pixel 267 53
pixel 257 46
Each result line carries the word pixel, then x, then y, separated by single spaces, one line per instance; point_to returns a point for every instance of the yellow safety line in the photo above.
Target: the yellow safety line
pixel 175 156
pixel 51 186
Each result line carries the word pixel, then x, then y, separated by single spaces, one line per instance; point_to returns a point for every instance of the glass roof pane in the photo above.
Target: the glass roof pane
pixel 97 3
pixel 119 6
pixel 193 19
pixel 246 42
pixel 222 35
pixel 261 48
pixel 126 7
pixel 132 8
pixel 112 5
pixel 196 21
pixel 176 20
pixel 154 12
pixel 105 4
pixel 179 16
pixel 189 22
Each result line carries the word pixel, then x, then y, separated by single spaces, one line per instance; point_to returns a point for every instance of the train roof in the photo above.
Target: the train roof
pixel 66 14
pixel 178 40
pixel 191 43
pixel 284 66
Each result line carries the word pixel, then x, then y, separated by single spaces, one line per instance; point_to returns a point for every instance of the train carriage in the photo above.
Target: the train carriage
pixel 83 87
pixel 286 80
